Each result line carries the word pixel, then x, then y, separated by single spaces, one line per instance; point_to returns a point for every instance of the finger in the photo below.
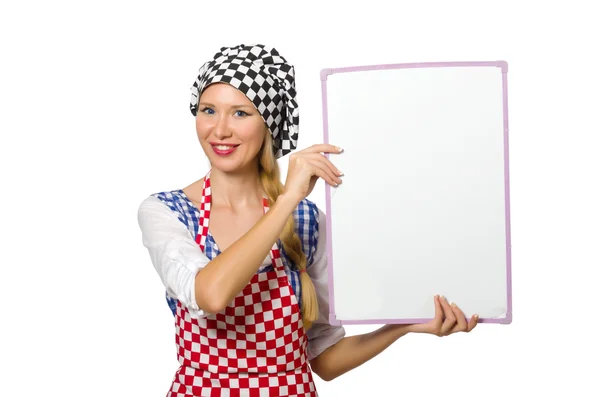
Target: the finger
pixel 438 319
pixel 473 322
pixel 450 318
pixel 323 173
pixel 323 148
pixel 315 163
pixel 461 320
pixel 439 312
pixel 322 159
pixel 330 174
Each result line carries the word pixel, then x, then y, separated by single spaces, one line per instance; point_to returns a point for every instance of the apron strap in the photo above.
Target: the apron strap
pixel 205 203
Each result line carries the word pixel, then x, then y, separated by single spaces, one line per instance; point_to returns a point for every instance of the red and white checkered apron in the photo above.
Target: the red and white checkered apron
pixel 255 347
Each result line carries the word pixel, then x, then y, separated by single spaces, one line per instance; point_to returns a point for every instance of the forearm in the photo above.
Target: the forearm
pixel 225 276
pixel 353 351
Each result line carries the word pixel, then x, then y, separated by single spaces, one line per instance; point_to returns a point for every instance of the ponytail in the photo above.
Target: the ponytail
pixel 271 183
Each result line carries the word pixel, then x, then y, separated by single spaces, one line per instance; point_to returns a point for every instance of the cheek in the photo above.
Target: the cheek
pixel 253 135
pixel 202 129
pixel 199 125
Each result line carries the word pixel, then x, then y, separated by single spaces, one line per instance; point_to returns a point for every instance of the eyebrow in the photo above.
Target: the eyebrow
pixel 231 107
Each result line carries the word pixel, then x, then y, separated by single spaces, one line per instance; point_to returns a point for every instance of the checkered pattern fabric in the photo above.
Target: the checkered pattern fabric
pixel 204 214
pixel 306 222
pixel 255 347
pixel 259 332
pixel 250 385
pixel 266 78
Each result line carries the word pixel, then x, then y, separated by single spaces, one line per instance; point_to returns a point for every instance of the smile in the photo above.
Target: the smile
pixel 224 150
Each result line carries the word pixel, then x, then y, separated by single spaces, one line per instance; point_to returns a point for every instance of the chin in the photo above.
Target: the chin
pixel 229 166
pixel 226 167
pixel 237 162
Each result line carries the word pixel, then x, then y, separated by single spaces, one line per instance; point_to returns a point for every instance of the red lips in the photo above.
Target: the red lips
pixel 223 149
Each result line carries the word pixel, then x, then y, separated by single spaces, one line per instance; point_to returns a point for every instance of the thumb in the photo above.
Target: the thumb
pixel 439 312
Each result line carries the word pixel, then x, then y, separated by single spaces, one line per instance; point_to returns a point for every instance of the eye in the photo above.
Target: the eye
pixel 241 113
pixel 208 110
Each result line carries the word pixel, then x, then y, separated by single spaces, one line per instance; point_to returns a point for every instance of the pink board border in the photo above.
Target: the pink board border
pixel 503 66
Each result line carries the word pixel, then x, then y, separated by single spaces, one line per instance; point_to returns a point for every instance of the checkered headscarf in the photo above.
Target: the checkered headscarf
pixel 266 79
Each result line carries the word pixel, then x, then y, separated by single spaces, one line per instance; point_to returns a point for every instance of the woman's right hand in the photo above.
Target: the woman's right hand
pixel 449 319
pixel 307 166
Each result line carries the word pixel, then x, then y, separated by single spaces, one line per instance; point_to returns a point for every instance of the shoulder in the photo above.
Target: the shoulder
pixel 173 201
pixel 306 211
pixel 306 220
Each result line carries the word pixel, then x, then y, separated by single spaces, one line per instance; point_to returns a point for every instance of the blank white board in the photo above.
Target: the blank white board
pixel 424 204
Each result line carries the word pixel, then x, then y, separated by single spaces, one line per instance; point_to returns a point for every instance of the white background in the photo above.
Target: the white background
pixel 94 117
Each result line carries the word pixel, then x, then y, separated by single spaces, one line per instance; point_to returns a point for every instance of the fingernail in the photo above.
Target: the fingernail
pixel 452 304
pixel 340 172
pixel 339 149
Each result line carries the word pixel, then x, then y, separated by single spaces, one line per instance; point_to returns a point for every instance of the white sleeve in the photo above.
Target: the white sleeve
pixel 174 253
pixel 322 334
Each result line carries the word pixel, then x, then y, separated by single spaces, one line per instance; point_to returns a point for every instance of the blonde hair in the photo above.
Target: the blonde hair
pixel 271 183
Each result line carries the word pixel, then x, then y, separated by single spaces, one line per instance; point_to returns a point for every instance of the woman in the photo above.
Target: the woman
pixel 250 305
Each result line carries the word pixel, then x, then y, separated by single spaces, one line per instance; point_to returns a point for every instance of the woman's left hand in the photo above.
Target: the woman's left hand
pixel 448 319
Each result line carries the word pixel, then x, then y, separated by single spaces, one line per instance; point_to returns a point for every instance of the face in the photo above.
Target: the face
pixel 229 128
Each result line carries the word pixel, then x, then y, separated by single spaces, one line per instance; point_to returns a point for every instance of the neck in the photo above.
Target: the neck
pixel 237 189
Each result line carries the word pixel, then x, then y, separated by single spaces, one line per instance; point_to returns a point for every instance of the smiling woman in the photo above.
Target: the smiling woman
pixel 242 256
pixel 238 252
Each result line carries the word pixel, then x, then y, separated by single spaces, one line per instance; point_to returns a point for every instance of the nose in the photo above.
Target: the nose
pixel 221 129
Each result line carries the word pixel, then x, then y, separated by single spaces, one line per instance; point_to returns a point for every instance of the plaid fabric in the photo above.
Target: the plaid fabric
pixel 306 217
pixel 268 81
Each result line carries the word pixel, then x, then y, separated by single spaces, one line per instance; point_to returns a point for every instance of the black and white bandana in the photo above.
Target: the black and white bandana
pixel 266 79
